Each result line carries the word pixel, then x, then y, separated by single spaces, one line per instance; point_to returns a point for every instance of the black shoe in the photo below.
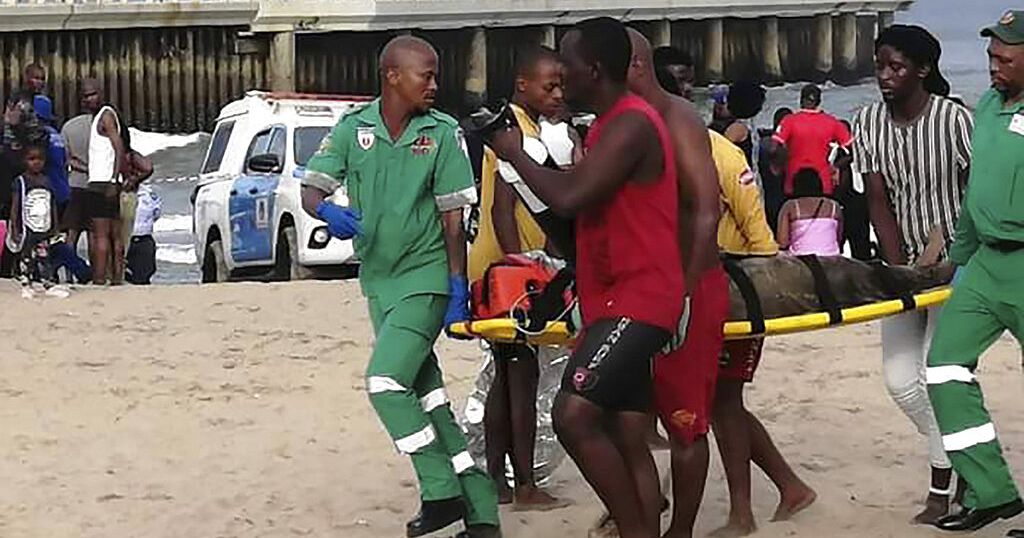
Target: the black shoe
pixel 970 519
pixel 480 531
pixel 434 516
pixel 1015 533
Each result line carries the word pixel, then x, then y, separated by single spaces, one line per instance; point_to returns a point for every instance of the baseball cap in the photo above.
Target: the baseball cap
pixel 1009 29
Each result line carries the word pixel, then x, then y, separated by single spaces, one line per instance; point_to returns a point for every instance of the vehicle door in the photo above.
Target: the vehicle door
pixel 252 198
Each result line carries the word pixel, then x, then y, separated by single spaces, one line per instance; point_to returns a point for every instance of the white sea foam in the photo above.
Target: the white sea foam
pixel 148 143
pixel 176 254
pixel 173 223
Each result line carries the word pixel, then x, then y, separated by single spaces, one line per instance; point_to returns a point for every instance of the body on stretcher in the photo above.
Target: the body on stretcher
pixel 556 333
pixel 529 298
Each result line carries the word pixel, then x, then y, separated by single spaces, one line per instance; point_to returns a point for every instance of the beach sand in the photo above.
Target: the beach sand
pixel 238 410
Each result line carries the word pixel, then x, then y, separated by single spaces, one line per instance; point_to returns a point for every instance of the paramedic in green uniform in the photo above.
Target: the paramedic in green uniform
pixel 988 296
pixel 408 180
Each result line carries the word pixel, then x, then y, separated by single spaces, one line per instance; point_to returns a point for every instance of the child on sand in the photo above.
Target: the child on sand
pixel 33 219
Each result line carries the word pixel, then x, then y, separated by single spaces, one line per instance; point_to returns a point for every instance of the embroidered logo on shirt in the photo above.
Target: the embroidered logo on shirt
pixel 1017 124
pixel 422 145
pixel 747 177
pixel 365 137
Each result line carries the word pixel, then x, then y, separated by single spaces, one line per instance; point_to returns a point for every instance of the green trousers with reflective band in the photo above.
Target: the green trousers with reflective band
pixel 988 300
pixel 407 390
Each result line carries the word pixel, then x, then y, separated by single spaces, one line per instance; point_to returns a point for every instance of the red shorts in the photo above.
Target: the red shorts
pixel 740 359
pixel 685 376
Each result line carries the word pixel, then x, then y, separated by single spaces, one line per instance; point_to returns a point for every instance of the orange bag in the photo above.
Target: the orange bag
pixel 508 285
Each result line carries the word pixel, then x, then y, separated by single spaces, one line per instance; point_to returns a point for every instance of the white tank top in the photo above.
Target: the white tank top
pixel 101 151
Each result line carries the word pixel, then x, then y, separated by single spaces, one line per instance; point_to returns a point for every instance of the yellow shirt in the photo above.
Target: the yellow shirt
pixel 743 229
pixel 485 249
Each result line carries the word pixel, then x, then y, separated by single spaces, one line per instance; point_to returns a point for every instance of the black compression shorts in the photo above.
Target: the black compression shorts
pixel 612 364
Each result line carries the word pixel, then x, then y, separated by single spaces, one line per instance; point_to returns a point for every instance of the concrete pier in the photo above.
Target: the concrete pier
pixel 846 57
pixel 885 19
pixel 661 35
pixel 282 62
pixel 171 65
pixel 548 37
pixel 770 47
pixel 823 46
pixel 476 68
pixel 714 50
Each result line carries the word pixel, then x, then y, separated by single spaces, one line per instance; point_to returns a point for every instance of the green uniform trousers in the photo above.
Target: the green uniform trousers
pixel 988 299
pixel 407 390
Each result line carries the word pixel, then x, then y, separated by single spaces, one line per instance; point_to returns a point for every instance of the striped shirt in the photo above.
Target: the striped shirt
pixel 921 163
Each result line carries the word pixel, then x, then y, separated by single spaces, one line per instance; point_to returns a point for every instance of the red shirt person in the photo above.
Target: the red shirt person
pixel 807 136
pixel 623 196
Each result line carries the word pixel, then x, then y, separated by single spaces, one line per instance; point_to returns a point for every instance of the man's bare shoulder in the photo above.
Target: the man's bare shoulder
pixel 682 113
pixel 628 126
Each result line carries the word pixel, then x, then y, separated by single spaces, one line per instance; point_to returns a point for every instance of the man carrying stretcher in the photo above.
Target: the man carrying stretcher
pixel 624 197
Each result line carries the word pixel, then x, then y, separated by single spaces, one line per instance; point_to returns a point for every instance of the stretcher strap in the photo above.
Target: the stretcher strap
pixel 892 287
pixel 826 299
pixel 755 314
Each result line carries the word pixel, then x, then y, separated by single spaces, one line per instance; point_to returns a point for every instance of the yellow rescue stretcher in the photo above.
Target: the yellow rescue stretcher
pixel 507 330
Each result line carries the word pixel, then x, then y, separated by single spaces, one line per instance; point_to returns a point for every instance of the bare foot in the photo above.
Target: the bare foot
pixel 734 529
pixel 794 500
pixel 534 499
pixel 934 508
pixel 604 528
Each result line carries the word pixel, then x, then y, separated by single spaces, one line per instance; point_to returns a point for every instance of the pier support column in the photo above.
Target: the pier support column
pixel 847 58
pixel 282 62
pixel 476 69
pixel 714 50
pixel 770 49
pixel 547 37
pixel 823 44
pixel 885 19
pixel 661 34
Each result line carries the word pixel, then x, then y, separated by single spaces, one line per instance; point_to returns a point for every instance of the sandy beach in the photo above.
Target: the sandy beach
pixel 238 410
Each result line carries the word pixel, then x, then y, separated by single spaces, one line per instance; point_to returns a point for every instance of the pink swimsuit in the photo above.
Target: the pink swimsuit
pixel 816 235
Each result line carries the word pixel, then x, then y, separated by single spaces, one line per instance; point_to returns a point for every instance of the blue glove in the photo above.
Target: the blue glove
pixel 458 303
pixel 342 222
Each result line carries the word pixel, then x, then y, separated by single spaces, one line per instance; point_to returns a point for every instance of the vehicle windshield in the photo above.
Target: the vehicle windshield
pixel 307 141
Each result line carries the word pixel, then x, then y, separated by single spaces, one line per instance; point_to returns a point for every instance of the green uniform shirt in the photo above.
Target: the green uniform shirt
pixel 993 207
pixel 400 187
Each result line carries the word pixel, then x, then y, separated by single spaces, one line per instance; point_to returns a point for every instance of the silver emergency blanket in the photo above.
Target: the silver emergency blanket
pixel 548 452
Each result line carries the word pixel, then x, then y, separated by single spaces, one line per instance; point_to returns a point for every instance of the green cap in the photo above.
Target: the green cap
pixel 1009 29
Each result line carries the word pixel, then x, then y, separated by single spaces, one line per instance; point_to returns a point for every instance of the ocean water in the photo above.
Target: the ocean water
pixel 963 62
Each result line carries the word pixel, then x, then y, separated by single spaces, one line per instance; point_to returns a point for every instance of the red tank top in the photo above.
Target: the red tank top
pixel 628 248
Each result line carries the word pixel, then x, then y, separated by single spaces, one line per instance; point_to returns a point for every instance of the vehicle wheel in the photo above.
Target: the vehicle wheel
pixel 215 269
pixel 286 257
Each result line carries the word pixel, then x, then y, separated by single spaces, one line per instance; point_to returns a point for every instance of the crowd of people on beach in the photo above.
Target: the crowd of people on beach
pixel 659 201
pixel 59 183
